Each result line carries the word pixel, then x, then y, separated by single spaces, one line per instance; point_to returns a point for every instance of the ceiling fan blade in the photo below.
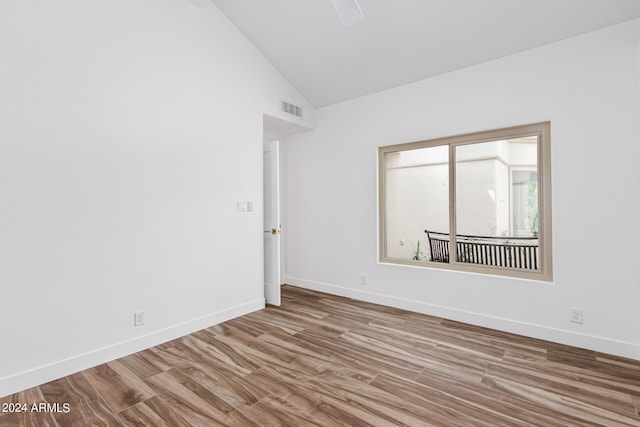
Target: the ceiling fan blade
pixel 349 12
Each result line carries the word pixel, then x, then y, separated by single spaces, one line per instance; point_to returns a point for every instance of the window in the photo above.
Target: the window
pixel 478 202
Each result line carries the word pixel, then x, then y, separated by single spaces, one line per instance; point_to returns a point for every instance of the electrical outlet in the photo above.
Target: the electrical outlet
pixel 138 318
pixel 576 315
pixel 363 280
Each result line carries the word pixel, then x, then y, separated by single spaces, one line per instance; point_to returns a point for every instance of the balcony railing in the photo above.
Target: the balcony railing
pixel 514 252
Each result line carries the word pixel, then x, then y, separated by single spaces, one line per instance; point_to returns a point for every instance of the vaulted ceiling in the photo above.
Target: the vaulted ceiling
pixel 402 41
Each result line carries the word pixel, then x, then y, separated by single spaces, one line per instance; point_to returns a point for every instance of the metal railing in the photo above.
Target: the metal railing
pixel 514 252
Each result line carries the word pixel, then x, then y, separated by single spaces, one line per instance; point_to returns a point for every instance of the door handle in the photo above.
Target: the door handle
pixel 273 231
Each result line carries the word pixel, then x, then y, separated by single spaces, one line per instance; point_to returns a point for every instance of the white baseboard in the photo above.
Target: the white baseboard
pixel 561 336
pixel 62 368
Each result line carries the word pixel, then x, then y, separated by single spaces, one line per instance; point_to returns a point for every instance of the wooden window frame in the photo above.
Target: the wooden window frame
pixel 542 131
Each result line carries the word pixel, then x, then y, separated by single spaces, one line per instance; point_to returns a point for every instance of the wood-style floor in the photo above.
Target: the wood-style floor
pixel 325 360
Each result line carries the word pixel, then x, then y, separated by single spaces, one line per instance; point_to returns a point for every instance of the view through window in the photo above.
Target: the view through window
pixel 477 202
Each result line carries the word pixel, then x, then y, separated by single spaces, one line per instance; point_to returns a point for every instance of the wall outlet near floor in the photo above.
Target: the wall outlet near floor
pixel 363 280
pixel 576 315
pixel 138 318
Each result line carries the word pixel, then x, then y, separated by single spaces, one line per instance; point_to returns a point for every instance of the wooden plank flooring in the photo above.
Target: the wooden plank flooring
pixel 322 360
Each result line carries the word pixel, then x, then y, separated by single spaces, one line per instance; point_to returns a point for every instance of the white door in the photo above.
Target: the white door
pixel 271 196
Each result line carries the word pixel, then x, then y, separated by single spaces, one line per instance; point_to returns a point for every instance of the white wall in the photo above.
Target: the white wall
pixel 128 130
pixel 588 88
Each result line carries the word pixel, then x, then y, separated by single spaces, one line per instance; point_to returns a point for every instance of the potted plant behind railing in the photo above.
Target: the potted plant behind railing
pixel 419 255
pixel 534 225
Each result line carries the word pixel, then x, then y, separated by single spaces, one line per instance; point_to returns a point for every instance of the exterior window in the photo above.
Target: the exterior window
pixel 524 203
pixel 478 202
